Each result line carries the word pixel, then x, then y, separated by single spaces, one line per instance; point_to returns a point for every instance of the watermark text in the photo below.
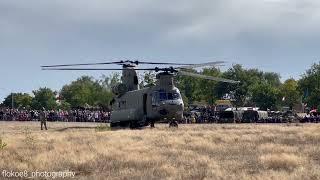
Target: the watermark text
pixel 37 174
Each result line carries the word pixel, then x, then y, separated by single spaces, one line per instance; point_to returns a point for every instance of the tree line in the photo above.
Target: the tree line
pixel 256 88
pixel 83 92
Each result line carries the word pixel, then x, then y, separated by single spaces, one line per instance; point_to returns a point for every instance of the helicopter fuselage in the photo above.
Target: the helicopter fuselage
pixel 161 102
pixel 154 104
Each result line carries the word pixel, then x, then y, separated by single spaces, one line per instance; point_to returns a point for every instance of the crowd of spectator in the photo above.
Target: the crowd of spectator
pixel 198 115
pixel 311 118
pixel 77 115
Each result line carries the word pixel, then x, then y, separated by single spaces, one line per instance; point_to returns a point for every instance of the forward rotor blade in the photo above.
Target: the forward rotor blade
pixel 202 65
pixel 93 69
pixel 84 64
pixel 184 65
pixel 117 62
pixel 164 63
pixel 207 77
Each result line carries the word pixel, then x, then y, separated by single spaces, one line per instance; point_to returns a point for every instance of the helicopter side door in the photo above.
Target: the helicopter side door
pixel 145 97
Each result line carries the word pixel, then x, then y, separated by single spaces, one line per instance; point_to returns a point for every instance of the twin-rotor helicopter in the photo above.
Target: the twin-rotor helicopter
pixel 133 107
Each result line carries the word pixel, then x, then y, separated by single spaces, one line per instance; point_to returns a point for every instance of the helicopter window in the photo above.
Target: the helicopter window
pixel 158 96
pixel 122 104
pixel 155 97
pixel 173 96
pixel 135 80
pixel 162 96
pixel 176 96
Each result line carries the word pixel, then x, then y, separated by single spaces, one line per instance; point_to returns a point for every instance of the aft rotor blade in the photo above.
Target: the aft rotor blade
pixel 84 64
pixel 215 63
pixel 207 77
pixel 93 69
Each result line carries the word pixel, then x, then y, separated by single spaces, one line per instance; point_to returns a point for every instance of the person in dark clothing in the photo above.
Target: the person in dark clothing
pixel 43 118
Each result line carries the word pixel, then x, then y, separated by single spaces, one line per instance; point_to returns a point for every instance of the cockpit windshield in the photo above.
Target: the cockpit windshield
pixel 163 96
pixel 158 96
pixel 173 96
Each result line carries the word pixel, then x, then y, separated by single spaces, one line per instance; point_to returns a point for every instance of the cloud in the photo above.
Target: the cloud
pixel 278 19
pixel 267 34
pixel 135 23
pixel 185 19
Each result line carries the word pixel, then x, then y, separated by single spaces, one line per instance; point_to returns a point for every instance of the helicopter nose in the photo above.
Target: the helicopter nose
pixel 170 108
pixel 163 112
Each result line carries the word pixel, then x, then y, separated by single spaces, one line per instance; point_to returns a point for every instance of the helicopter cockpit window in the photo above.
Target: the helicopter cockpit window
pixel 159 96
pixel 162 96
pixel 173 96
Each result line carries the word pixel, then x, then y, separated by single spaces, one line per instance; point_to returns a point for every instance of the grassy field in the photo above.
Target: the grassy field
pixel 227 151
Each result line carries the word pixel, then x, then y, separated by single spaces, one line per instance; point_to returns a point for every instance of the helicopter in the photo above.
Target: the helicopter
pixel 134 107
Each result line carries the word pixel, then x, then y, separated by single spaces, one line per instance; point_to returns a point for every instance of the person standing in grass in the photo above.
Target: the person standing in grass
pixel 43 118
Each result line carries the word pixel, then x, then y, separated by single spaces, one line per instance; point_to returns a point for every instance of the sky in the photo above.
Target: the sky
pixel 280 36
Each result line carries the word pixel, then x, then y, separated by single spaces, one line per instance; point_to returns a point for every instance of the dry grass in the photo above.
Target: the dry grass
pixel 248 151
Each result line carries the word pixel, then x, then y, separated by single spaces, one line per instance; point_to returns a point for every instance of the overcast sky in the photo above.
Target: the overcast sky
pixel 273 35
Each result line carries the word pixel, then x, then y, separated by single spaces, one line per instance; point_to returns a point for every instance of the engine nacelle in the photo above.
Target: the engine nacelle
pixel 119 89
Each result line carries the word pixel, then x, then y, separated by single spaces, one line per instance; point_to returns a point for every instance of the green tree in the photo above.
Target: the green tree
pixel 19 100
pixel 64 105
pixel 239 92
pixel 206 88
pixel 242 93
pixel 188 87
pixel 272 78
pixel 265 96
pixel 110 81
pixel 309 86
pixel 290 92
pixel 44 97
pixel 147 79
pixel 86 90
pixel 103 97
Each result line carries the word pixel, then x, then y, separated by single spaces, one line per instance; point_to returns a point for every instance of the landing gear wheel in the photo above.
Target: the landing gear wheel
pixel 152 124
pixel 113 125
pixel 133 125
pixel 173 124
